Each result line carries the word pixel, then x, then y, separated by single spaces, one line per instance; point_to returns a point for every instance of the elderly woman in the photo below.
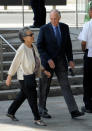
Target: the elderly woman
pixel 27 59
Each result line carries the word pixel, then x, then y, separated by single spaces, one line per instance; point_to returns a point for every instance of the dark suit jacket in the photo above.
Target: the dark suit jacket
pixel 47 44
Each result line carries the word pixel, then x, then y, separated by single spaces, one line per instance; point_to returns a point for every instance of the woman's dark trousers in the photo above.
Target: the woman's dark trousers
pixel 20 98
pixel 31 94
pixel 28 90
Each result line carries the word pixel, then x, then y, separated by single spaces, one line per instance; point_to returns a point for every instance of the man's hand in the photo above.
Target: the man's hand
pixel 8 80
pixel 71 64
pixel 48 74
pixel 51 64
pixel 83 45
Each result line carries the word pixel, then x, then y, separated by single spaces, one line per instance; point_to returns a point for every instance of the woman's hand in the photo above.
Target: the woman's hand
pixel 48 74
pixel 8 80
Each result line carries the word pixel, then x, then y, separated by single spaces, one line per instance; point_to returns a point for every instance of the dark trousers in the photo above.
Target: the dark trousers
pixel 20 98
pixel 87 82
pixel 39 10
pixel 44 87
pixel 28 90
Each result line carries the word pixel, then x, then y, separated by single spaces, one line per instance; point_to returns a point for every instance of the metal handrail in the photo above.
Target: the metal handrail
pixel 7 43
pixel 1 65
pixel 1 59
pixel 23 12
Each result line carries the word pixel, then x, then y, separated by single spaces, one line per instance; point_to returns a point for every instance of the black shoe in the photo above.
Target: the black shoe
pixel 45 115
pixel 12 117
pixel 83 109
pixel 75 114
pixel 34 26
pixel 46 110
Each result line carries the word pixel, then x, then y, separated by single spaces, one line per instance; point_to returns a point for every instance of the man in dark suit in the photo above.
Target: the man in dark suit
pixel 55 49
pixel 39 10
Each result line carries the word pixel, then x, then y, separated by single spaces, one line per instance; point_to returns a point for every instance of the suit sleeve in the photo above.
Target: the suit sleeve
pixel 41 45
pixel 69 47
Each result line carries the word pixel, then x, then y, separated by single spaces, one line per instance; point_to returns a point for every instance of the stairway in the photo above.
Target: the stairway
pixel 11 35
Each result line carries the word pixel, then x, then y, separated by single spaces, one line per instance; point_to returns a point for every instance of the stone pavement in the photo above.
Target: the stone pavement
pixel 61 119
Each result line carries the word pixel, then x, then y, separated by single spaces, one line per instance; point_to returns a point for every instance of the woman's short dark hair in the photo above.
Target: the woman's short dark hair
pixel 22 32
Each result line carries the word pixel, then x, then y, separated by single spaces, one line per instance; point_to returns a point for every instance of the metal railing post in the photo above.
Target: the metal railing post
pixel 54 6
pixel 1 61
pixel 23 12
pixel 29 7
pixel 76 13
pixel 5 7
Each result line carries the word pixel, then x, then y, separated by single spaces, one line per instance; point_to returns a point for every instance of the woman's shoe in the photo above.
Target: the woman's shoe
pixel 39 123
pixel 12 117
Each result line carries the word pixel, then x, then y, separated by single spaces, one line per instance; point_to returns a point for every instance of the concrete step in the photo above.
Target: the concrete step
pixel 16 42
pixel 14 30
pixel 8 94
pixel 14 85
pixel 54 91
pixel 74 80
pixel 76 54
pixel 7 49
pixel 77 71
pixel 6 64
pixel 8 55
pixel 12 35
pixel 15 45
pixel 13 40
pixel 76 46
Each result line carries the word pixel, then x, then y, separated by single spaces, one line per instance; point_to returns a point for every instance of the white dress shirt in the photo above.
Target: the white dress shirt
pixel 86 35
pixel 24 62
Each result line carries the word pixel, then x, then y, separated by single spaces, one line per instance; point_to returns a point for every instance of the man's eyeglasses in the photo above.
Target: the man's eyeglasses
pixel 30 34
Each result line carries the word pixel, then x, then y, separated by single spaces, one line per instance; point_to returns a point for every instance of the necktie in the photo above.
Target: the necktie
pixel 58 36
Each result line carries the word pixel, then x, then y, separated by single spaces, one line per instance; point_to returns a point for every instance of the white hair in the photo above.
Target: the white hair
pixel 56 11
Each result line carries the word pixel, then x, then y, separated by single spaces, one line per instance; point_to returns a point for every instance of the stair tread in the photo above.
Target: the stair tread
pixel 75 53
pixel 9 90
pixel 53 78
pixel 76 67
pixel 52 87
